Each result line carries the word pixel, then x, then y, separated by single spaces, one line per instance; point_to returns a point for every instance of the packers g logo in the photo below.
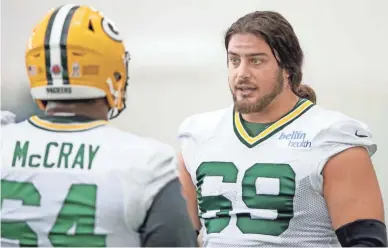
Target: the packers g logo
pixel 111 30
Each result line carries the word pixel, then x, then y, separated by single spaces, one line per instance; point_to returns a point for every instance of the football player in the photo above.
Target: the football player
pixel 275 169
pixel 68 178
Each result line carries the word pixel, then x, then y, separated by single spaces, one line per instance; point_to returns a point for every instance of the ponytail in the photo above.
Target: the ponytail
pixel 305 91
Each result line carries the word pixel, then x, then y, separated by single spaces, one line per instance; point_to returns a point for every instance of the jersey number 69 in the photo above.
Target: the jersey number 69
pixel 281 203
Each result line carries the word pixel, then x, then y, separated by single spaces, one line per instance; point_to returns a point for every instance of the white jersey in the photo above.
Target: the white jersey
pixel 82 183
pixel 266 190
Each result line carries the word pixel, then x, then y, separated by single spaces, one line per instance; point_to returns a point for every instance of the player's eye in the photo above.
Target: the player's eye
pixel 255 61
pixel 234 60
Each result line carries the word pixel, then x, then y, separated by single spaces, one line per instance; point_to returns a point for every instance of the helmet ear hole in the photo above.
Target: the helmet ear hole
pixel 117 76
pixel 90 26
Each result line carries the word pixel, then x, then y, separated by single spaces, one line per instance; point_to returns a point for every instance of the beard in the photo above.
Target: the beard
pixel 246 107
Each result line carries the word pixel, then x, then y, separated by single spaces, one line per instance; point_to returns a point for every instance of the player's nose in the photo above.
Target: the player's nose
pixel 243 71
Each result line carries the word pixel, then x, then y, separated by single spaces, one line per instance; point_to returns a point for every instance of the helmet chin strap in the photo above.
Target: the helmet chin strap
pixel 53 105
pixel 114 112
pixel 61 114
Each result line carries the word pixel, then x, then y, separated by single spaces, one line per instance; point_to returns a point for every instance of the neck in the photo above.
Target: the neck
pixel 71 109
pixel 279 106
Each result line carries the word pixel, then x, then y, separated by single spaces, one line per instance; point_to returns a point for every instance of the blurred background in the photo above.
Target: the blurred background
pixel 178 64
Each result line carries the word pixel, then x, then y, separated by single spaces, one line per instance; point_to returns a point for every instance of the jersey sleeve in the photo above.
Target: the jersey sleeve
pixel 187 139
pixel 160 167
pixel 197 129
pixel 339 137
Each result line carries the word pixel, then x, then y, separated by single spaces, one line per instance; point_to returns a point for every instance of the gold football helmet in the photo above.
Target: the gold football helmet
pixel 77 53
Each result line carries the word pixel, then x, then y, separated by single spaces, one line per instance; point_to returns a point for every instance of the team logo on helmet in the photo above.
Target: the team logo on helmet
pixel 110 29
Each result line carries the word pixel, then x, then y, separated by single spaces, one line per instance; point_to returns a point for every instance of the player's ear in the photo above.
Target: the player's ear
pixel 285 73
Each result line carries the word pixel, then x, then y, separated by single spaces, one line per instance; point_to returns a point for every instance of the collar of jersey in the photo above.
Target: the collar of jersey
pixel 300 108
pixel 65 123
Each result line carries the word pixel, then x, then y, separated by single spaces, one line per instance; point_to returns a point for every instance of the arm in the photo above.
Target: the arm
pixel 167 223
pixel 352 194
pixel 189 192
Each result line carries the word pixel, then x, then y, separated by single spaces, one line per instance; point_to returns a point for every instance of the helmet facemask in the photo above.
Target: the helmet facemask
pixel 116 111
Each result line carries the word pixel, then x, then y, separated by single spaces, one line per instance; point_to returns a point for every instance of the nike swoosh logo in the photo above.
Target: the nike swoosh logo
pixel 360 135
